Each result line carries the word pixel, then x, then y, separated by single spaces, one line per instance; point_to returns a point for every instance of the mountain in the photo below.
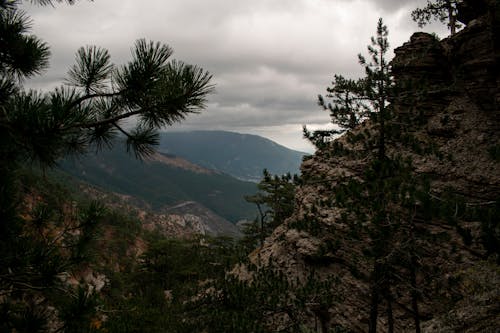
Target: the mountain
pixel 243 156
pixel 183 221
pixel 164 181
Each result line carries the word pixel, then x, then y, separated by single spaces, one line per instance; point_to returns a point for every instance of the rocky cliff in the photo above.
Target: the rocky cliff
pixel 450 89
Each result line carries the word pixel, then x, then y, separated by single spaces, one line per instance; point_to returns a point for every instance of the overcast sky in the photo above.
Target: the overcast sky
pixel 269 58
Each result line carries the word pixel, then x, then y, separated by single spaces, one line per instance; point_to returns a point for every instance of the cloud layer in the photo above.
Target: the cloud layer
pixel 270 58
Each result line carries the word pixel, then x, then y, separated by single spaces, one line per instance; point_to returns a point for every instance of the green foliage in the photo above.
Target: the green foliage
pixel 444 11
pixel 247 306
pixel 89 110
pixel 278 195
pixel 22 55
pixel 184 263
pixel 346 106
pixel 39 248
pixel 50 240
pixel 54 238
pixel 379 82
pixel 92 69
pixel 353 101
pixel 275 202
pixel 455 211
pixel 309 224
pixel 161 184
pixel 78 310
pixel 160 289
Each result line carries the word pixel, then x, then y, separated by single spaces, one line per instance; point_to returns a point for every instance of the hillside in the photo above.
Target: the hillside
pixel 163 181
pixel 437 267
pixel 241 155
pixel 186 220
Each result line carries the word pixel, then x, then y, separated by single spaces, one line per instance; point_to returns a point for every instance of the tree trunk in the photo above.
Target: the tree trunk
pixel 390 316
pixel 372 325
pixel 413 278
pixel 414 300
pixel 414 292
pixel 452 19
pixel 381 144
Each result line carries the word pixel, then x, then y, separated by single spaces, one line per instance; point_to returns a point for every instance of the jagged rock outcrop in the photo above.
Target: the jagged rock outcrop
pixel 453 85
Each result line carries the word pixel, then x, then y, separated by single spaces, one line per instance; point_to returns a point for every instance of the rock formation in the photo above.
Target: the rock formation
pixel 453 87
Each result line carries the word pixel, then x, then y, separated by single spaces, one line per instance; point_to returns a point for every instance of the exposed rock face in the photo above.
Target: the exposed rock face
pixel 188 219
pixel 466 63
pixel 454 86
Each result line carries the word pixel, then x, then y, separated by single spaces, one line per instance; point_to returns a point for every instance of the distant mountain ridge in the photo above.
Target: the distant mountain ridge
pixel 206 169
pixel 164 181
pixel 243 156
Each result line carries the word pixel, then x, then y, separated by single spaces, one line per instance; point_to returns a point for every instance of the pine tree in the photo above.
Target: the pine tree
pixel 41 244
pixel 88 111
pixel 368 200
pixel 346 106
pixel 353 101
pixel 444 11
pixel 378 84
pixel 274 201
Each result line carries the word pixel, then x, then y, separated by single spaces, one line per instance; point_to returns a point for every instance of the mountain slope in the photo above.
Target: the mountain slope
pixel 243 156
pixel 164 181
pixel 441 271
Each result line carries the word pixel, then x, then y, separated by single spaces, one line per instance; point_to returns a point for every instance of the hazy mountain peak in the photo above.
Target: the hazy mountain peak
pixel 244 156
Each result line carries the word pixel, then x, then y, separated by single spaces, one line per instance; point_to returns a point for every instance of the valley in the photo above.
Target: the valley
pixel 164 183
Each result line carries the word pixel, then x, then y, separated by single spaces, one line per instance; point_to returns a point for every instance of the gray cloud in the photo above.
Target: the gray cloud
pixel 269 58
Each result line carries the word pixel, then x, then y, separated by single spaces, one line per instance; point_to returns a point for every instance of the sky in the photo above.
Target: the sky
pixel 269 58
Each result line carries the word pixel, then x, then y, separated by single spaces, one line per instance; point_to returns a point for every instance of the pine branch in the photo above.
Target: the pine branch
pixel 107 121
pixel 82 99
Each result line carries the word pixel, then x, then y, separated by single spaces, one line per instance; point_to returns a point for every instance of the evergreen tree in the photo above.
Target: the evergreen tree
pixel 275 203
pixel 346 106
pixel 98 96
pixel 378 84
pixel 444 11
pixel 367 200
pixel 383 205
pixel 352 101
pixel 44 243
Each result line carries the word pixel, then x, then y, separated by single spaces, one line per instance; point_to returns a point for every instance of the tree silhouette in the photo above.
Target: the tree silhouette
pixel 444 11
pixel 89 110
pixel 353 101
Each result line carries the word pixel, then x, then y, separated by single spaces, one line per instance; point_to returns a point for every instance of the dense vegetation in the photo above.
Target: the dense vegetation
pixel 148 283
pixel 44 242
